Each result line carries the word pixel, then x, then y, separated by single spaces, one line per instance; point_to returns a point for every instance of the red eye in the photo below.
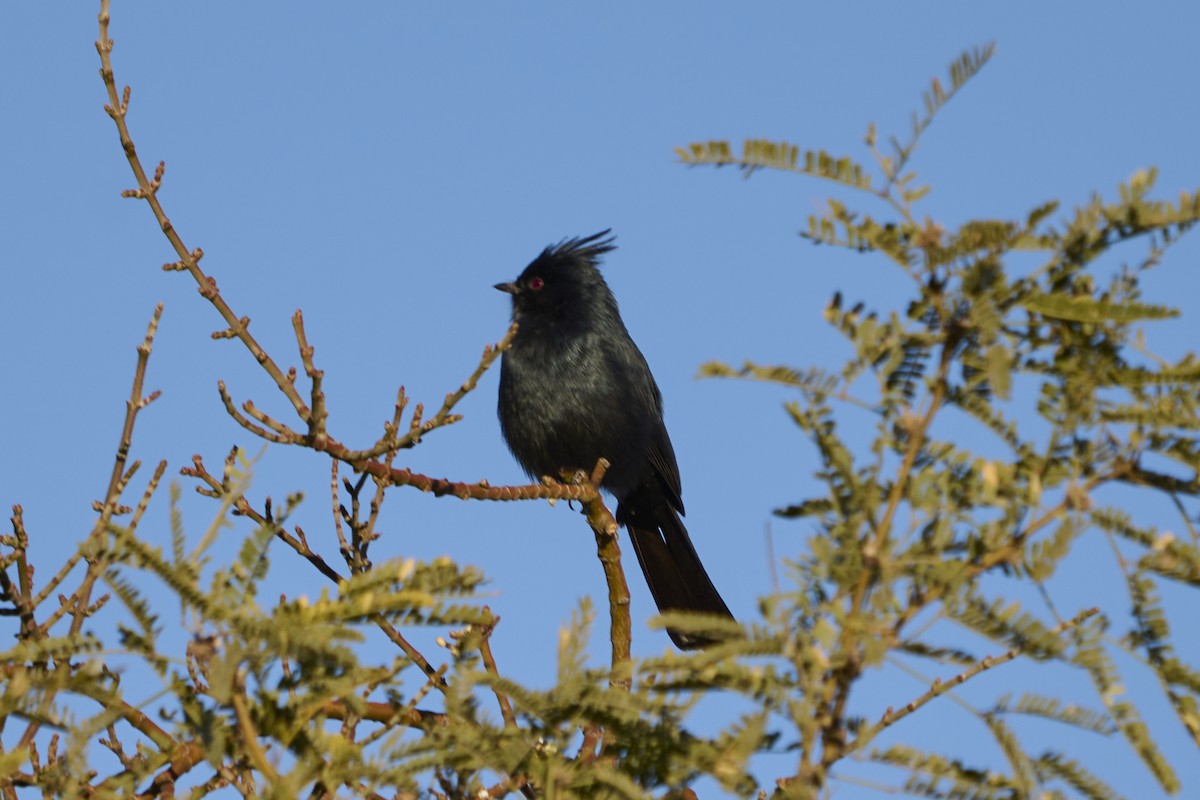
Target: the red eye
pixel 536 284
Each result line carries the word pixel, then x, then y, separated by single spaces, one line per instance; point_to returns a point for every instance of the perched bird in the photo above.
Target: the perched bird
pixel 575 388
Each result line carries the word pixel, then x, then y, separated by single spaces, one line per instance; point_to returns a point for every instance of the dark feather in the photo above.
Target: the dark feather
pixel 575 388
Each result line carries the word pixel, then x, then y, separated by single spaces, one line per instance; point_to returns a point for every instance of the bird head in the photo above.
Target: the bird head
pixel 563 281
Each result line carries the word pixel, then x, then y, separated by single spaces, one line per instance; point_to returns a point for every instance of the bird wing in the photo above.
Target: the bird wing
pixel 662 458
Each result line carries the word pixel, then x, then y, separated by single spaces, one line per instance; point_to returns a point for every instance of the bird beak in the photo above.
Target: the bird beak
pixel 509 288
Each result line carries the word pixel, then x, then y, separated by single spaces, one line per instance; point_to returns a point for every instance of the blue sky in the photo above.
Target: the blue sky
pixel 382 167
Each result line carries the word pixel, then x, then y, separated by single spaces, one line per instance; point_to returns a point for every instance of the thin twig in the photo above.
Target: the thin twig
pixel 20 593
pixel 604 526
pixel 442 418
pixel 939 687
pixel 481 490
pixel 189 260
pixel 343 545
pixel 79 604
pixel 489 664
pixel 833 732
pixel 219 489
pixel 278 427
pixel 316 421
pixel 257 430
pixel 241 710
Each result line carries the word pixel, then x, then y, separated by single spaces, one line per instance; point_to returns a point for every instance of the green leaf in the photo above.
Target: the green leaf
pixel 1083 309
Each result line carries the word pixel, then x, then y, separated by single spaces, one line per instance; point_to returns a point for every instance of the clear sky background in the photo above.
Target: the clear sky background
pixel 382 165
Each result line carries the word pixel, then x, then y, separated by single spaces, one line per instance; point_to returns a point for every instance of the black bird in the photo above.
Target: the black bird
pixel 575 388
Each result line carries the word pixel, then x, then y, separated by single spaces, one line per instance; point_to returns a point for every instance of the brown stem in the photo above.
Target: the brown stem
pixel 189 260
pixel 300 546
pixel 608 548
pixel 939 687
pixel 833 734
pixel 79 605
pixel 20 593
pixel 316 420
pixel 218 489
pixel 402 476
pixel 241 710
pixel 181 760
pixel 159 471
pixel 489 664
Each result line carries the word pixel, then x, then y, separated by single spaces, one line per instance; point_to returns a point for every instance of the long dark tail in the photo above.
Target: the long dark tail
pixel 673 570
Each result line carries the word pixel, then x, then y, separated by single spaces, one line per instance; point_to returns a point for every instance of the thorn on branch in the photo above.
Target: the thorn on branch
pixel 230 332
pixel 129 473
pixel 155 183
pixel 151 329
pixel 208 289
pixel 414 427
pixel 182 265
pixel 118 510
pixel 107 75
pixel 230 460
pixel 449 419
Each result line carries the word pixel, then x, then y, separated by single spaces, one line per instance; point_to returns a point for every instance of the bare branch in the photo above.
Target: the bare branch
pixel 939 687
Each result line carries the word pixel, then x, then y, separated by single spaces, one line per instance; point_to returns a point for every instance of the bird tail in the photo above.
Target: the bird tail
pixel 674 572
